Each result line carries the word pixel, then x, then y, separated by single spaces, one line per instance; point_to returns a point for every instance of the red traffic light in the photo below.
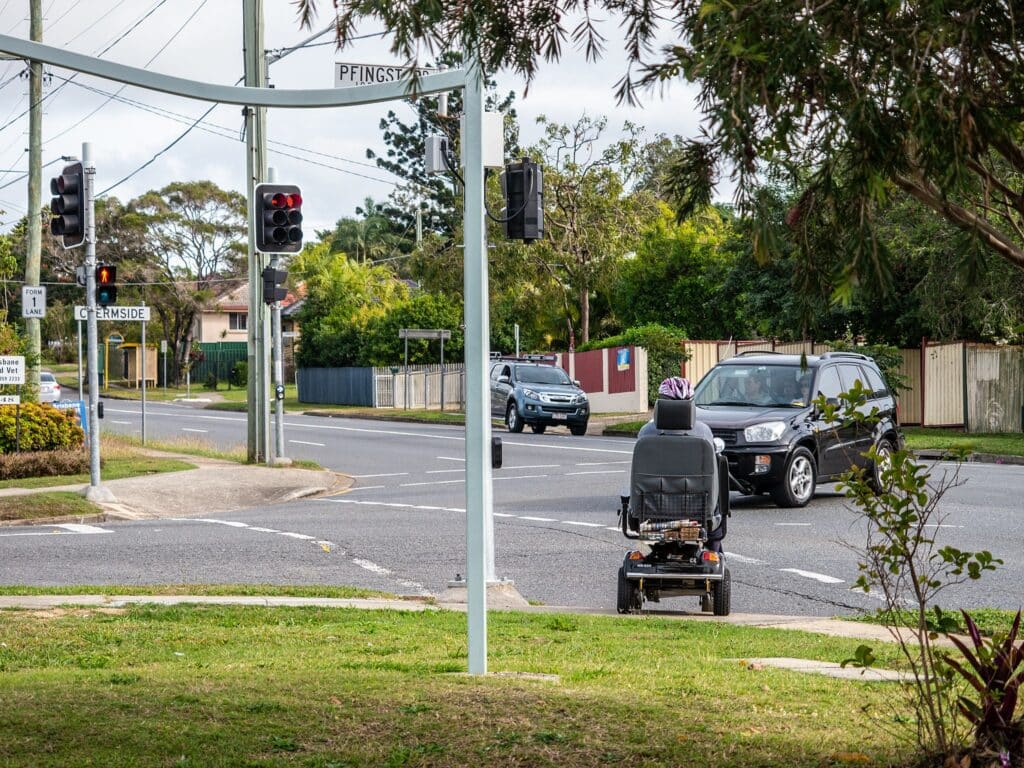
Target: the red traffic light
pixel 278 218
pixel 106 275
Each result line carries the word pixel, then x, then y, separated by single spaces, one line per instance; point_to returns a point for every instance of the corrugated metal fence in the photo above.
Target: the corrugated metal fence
pixel 335 386
pixel 979 387
pixel 420 386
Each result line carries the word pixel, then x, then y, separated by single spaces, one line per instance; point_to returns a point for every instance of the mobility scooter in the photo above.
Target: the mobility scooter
pixel 677 505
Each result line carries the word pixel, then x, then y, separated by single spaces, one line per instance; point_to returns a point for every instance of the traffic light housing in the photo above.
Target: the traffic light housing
pixel 278 218
pixel 273 285
pixel 106 284
pixel 67 207
pixel 522 185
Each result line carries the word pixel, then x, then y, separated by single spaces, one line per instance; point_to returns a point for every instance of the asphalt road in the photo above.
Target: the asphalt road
pixel 402 526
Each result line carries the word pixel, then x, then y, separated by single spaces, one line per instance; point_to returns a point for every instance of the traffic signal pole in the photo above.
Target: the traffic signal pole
pixel 95 492
pixel 256 172
pixel 275 332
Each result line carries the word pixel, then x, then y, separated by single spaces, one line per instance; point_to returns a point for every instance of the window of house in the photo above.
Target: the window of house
pixel 237 321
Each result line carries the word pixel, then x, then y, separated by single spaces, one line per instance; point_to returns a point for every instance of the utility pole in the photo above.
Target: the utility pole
pixel 35 173
pixel 256 172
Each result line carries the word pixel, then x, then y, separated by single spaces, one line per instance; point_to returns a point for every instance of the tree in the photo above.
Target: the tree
pixel 855 100
pixel 372 237
pixel 195 240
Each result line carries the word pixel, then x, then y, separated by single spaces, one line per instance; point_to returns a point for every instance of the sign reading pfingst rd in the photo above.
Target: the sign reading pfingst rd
pixel 348 75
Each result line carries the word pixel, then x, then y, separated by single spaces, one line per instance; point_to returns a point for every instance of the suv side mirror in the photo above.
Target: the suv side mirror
pixel 504 380
pixel 576 383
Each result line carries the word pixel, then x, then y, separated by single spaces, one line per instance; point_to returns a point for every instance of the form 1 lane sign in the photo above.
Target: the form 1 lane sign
pixel 123 314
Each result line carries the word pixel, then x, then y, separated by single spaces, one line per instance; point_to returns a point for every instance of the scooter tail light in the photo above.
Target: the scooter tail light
pixel 710 557
pixel 636 555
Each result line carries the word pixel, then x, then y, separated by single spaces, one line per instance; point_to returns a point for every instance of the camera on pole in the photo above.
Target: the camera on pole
pixel 67 207
pixel 278 222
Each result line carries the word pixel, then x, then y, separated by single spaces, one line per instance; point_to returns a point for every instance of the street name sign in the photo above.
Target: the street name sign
pixel 347 75
pixel 123 314
pixel 33 301
pixel 12 369
pixel 10 399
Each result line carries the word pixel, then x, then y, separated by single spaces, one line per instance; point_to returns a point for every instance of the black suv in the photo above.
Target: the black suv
pixel 760 405
pixel 531 390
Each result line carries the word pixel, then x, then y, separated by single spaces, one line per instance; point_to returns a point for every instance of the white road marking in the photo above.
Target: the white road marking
pixel 79 528
pixel 535 446
pixel 538 519
pixel 383 474
pixel 599 463
pixel 187 429
pixel 366 488
pixel 302 536
pixel 232 523
pixel 795 525
pixel 585 525
pixel 433 482
pixel 449 458
pixel 518 477
pixel 616 529
pixel 501 514
pixel 263 530
pixel 442 471
pixel 742 558
pixel 120 422
pixel 598 472
pixel 391 504
pixel 533 466
pixel 64 529
pixel 812 575
pixel 304 442
pixel 382 571
pixel 940 525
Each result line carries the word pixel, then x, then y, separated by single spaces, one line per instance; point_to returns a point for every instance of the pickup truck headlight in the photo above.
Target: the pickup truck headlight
pixel 768 432
pixel 581 397
pixel 530 393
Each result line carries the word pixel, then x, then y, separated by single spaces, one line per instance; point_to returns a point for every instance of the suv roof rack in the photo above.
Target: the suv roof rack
pixel 525 358
pixel 757 352
pixel 854 355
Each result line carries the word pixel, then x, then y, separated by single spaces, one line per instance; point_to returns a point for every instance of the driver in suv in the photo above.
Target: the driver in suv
pixel 761 405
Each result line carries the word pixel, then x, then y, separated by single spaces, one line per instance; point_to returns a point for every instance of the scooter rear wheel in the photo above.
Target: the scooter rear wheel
pixel 629 598
pixel 721 592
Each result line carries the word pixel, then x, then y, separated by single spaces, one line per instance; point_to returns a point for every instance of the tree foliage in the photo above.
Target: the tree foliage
pixel 851 101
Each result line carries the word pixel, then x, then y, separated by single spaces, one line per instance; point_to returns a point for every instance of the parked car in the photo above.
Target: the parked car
pixel 532 390
pixel 761 406
pixel 49 389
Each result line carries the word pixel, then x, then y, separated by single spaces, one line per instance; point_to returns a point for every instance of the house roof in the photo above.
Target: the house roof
pixel 236 299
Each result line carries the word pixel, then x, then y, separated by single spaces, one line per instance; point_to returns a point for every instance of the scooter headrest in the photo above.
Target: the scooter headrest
pixel 673 414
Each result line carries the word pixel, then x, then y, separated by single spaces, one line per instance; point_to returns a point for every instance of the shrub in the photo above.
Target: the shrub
pixel 15 466
pixel 211 381
pixel 664 345
pixel 887 356
pixel 43 428
pixel 240 374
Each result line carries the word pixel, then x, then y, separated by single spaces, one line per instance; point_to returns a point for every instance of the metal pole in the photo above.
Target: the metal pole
pixel 144 371
pixel 442 371
pixel 406 373
pixel 256 168
pixel 34 218
pixel 81 388
pixel 275 334
pixel 517 339
pixel 479 523
pixel 164 345
pixel 95 493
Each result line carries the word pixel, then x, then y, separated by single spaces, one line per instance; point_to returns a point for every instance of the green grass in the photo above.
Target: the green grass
pixel 930 438
pixel 292 404
pixel 627 428
pixel 310 687
pixel 258 590
pixel 990 621
pixel 46 504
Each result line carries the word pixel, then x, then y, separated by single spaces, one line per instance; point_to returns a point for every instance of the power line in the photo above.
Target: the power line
pixel 119 90
pixel 98 19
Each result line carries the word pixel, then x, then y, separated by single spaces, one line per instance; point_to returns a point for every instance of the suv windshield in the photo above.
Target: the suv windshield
pixel 541 374
pixel 775 386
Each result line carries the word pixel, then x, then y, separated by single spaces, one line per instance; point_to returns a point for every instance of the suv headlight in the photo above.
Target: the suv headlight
pixel 768 432
pixel 581 397
pixel 531 393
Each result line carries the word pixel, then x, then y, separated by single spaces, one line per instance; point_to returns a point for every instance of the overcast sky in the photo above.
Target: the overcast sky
pixel 327 156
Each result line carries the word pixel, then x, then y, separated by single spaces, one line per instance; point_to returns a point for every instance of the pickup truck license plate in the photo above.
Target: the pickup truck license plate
pixel 559 416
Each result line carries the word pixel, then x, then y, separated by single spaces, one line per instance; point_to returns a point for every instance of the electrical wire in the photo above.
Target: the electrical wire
pixel 119 90
pixel 98 19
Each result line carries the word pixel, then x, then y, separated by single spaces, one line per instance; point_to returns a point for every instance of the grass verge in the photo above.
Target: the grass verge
pixel 243 686
pixel 47 504
pixel 192 446
pixel 990 621
pixel 248 590
pixel 930 438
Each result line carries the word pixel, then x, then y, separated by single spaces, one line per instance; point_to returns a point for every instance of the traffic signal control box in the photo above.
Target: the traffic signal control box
pixel 67 207
pixel 522 185
pixel 278 213
pixel 106 284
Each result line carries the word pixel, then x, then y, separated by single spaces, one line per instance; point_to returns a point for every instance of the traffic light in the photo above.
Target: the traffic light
pixel 68 204
pixel 273 285
pixel 106 284
pixel 522 185
pixel 278 218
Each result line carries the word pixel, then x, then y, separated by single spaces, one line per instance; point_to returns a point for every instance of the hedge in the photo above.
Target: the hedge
pixel 15 466
pixel 43 428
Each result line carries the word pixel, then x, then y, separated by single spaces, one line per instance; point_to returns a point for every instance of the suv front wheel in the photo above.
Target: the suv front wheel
pixel 798 481
pixel 512 419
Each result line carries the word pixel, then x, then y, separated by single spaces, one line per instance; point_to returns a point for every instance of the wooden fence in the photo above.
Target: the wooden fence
pixel 977 387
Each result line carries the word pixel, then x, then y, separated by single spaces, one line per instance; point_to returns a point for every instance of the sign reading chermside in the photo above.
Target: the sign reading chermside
pixel 124 314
